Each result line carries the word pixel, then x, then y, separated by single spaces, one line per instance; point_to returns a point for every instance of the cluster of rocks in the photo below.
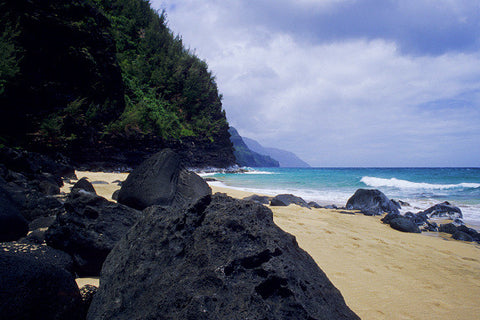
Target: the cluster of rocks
pixel 374 202
pixel 167 249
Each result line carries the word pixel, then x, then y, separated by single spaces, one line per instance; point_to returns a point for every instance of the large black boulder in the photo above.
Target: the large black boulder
pixel 448 228
pixel 459 235
pixel 31 288
pixel 404 224
pixel 162 180
pixel 371 202
pixel 13 225
pixel 288 199
pixel 258 199
pixel 39 252
pixel 89 229
pixel 83 184
pixel 444 209
pixel 223 259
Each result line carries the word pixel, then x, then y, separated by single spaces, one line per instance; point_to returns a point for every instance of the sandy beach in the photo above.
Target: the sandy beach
pixel 382 273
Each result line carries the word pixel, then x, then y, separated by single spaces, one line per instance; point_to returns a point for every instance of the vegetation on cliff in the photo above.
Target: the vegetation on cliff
pixel 246 157
pixel 88 72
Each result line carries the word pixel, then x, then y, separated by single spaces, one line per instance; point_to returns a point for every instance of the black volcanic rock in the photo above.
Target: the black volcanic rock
pixel 459 235
pixel 258 199
pixel 162 180
pixel 13 225
pixel 448 228
pixel 219 259
pixel 38 252
pixel 288 199
pixel 371 202
pixel 89 229
pixel 84 184
pixel 32 288
pixel 404 224
pixel 444 209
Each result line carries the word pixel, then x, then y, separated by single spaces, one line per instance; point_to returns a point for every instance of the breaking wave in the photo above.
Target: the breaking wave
pixel 405 184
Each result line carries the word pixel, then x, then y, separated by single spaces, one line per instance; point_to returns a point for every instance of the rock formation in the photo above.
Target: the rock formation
pixel 220 259
pixel 162 180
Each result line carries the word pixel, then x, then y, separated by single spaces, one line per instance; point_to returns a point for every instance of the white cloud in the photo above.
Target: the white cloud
pixel 348 102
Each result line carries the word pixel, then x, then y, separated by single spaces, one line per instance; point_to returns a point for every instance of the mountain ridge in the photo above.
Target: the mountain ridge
pixel 246 157
pixel 284 157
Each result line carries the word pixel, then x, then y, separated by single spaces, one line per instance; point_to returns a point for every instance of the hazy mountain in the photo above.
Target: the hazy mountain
pixel 246 157
pixel 285 158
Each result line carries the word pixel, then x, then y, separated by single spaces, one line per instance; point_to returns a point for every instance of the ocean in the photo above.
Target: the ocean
pixel 420 187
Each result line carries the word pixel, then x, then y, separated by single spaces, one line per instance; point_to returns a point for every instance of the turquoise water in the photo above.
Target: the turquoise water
pixel 421 187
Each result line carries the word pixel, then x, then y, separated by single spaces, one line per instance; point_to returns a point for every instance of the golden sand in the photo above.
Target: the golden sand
pixel 382 273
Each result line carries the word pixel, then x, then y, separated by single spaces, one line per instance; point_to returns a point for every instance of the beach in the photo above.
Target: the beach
pixel 382 273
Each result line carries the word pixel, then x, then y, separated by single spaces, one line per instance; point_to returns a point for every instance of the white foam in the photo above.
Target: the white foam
pixel 258 172
pixel 405 184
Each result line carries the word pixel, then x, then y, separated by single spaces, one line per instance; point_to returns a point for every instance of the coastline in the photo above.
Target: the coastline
pixel 382 273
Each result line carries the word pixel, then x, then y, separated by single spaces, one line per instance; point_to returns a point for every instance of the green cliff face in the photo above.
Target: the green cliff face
pixel 246 157
pixel 105 81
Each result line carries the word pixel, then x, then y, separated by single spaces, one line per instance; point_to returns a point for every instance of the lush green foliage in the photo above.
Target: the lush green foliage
pixel 74 72
pixel 169 91
pixel 8 55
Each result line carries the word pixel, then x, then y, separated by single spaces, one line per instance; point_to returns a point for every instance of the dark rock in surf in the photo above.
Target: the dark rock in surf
pixel 371 202
pixel 288 199
pixel 162 180
pixel 89 229
pixel 444 209
pixel 219 259
pixel 430 226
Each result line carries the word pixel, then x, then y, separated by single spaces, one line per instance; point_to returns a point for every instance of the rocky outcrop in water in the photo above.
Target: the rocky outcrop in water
pixel 444 210
pixel 220 259
pixel 371 202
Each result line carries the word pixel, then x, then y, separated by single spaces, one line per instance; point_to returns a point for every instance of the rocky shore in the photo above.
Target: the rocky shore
pixel 172 248
pixel 167 249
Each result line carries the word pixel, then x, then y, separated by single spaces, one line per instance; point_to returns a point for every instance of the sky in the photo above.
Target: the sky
pixel 355 83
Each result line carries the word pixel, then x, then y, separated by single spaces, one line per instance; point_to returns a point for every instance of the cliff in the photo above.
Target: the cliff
pixel 285 158
pixel 246 157
pixel 105 83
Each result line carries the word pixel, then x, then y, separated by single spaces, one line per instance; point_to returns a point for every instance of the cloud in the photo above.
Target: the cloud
pixel 357 94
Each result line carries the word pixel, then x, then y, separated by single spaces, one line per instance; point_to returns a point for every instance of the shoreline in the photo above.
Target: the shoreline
pixel 382 273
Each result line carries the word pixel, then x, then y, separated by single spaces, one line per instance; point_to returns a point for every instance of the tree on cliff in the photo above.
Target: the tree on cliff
pixel 80 72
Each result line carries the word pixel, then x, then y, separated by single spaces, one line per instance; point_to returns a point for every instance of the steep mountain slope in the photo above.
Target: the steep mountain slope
pixel 285 158
pixel 105 82
pixel 246 157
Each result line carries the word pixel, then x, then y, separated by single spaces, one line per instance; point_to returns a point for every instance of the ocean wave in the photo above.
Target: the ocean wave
pixel 405 184
pixel 258 172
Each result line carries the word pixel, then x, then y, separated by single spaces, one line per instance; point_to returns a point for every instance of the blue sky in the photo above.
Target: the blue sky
pixel 345 82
